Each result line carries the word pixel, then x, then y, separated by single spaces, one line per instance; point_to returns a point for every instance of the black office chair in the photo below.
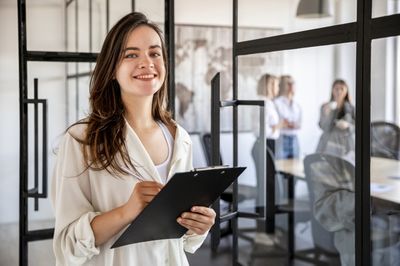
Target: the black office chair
pixel 385 140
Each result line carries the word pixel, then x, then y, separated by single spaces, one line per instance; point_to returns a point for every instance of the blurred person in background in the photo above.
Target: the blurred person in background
pixel 337 119
pixel 289 111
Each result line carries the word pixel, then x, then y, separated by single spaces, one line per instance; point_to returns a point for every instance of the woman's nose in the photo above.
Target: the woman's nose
pixel 146 62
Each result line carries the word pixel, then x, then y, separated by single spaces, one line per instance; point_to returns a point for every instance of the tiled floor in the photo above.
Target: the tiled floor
pixel 40 252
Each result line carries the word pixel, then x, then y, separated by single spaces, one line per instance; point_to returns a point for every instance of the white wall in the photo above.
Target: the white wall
pixel 9 141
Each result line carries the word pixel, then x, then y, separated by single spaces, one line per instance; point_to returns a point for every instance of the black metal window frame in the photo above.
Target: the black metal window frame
pixel 363 31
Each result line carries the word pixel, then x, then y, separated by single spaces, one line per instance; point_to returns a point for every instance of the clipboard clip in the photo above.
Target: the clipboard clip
pixel 210 168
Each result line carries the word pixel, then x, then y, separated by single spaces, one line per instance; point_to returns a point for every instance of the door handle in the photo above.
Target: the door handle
pixel 34 192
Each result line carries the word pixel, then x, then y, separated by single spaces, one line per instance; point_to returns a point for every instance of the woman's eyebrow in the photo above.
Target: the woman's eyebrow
pixel 138 49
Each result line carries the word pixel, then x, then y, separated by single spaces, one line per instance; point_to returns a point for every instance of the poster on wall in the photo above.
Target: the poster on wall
pixel 201 52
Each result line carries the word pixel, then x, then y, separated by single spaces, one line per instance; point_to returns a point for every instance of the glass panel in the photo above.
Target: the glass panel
pixel 45 25
pixel 385 7
pixel 277 17
pixel 251 182
pixel 385 151
pixel 306 112
pixel 58 26
pixel 67 101
pixel 201 52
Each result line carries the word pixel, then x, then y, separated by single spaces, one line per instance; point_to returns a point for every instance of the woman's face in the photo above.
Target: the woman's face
pixel 141 71
pixel 273 87
pixel 275 84
pixel 339 92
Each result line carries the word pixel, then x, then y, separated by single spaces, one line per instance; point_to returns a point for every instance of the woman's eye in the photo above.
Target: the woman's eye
pixel 130 56
pixel 155 54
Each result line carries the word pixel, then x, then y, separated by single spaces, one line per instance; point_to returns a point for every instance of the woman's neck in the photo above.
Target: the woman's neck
pixel 138 113
pixel 289 96
pixel 340 103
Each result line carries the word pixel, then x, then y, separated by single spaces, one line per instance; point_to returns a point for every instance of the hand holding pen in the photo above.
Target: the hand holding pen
pixel 142 194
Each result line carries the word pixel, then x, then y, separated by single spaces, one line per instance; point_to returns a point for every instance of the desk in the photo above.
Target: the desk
pixel 383 172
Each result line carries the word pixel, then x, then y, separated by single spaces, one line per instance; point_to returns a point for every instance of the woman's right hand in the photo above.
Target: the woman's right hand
pixel 329 107
pixel 107 224
pixel 142 194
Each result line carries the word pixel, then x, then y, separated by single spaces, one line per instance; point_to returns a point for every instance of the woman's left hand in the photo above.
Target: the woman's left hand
pixel 199 220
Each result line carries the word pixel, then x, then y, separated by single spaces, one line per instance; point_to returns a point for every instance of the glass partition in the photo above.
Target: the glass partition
pixel 79 26
pixel 200 53
pixel 310 135
pixel 66 95
pixel 385 151
pixel 385 7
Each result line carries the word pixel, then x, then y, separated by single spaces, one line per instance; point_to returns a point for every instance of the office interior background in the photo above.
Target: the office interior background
pixel 203 47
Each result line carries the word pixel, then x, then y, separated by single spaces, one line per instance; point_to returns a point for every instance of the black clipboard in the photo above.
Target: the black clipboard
pixel 200 187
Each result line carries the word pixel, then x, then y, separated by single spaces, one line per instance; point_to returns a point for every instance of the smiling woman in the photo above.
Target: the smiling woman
pixel 114 162
pixel 141 71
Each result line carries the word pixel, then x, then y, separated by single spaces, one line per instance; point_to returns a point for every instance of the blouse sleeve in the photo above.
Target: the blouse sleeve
pixel 74 241
pixel 192 242
pixel 269 121
pixel 326 120
pixel 349 116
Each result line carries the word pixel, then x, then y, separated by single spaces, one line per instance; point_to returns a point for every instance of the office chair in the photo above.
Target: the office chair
pixel 323 239
pixel 385 140
pixel 330 182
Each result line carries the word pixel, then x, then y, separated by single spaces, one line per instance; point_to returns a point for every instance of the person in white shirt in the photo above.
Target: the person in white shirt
pixel 111 164
pixel 290 112
pixel 267 90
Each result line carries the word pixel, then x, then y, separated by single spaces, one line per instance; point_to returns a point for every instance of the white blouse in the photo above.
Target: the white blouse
pixel 79 194
pixel 291 111
pixel 271 119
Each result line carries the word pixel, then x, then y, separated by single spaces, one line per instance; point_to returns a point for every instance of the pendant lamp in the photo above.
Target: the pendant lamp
pixel 314 9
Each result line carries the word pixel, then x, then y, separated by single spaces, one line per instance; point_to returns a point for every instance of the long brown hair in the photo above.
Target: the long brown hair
pixel 104 139
pixel 347 98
